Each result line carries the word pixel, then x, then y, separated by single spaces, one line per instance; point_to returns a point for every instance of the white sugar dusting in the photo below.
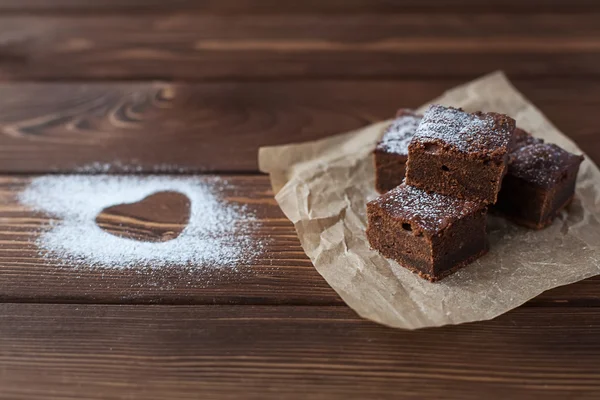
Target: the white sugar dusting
pixel 431 211
pixel 466 132
pixel 542 164
pixel 399 134
pixel 217 234
pixel 131 167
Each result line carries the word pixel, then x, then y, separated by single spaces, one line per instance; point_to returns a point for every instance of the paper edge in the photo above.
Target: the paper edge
pixel 501 80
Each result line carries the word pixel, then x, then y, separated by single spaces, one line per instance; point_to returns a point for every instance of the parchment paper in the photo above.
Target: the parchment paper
pixel 323 187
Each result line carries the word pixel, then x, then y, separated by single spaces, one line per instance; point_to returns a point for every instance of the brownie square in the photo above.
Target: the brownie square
pixel 540 182
pixel 521 139
pixel 430 234
pixel 391 152
pixel 460 154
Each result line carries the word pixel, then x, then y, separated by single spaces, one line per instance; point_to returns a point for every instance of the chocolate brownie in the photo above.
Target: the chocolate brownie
pixel 391 152
pixel 428 233
pixel 540 182
pixel 523 138
pixel 460 154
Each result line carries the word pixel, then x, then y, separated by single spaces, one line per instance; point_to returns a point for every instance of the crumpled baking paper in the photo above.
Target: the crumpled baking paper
pixel 323 187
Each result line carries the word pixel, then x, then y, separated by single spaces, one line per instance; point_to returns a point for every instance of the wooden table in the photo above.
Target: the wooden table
pixel 197 87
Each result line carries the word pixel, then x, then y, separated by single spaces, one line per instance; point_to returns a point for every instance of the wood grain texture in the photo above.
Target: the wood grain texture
pixel 289 6
pixel 281 274
pixel 267 72
pixel 91 127
pixel 226 352
pixel 160 217
pixel 306 46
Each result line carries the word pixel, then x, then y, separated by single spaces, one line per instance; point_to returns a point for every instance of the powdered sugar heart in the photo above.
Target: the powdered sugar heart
pixel 159 217
pixel 217 234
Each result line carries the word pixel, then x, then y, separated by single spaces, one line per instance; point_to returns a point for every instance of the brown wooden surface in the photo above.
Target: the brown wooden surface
pixel 186 87
pixel 291 352
pixel 123 124
pixel 282 274
pixel 300 46
pixel 289 6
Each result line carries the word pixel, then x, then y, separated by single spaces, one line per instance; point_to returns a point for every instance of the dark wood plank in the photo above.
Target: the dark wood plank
pixel 309 6
pixel 200 127
pixel 160 217
pixel 226 352
pixel 282 274
pixel 220 126
pixel 192 46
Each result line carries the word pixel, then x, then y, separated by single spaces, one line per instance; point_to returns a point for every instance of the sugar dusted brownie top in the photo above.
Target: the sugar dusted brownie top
pixel 487 134
pixel 542 164
pixel 399 134
pixel 523 138
pixel 428 212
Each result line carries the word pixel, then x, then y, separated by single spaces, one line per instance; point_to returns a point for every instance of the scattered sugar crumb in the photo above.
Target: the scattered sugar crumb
pixel 131 167
pixel 218 233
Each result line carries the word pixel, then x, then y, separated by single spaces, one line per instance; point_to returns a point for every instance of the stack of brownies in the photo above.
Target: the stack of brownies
pixel 441 171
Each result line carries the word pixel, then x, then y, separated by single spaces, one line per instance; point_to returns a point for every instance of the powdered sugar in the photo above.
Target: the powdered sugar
pixel 217 233
pixel 399 134
pixel 522 139
pixel 479 132
pixel 130 167
pixel 542 164
pixel 429 211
